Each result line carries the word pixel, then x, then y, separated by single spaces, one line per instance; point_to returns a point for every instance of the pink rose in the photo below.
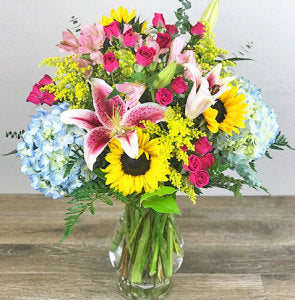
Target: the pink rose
pixel 198 29
pixel 110 62
pixel 194 164
pixel 207 161
pixel 145 55
pixel 164 96
pixel 38 97
pixel 171 29
pixel 202 146
pixel 199 178
pixel 159 20
pixel 112 30
pixel 46 79
pixel 184 148
pixel 164 40
pixel 129 38
pixel 178 85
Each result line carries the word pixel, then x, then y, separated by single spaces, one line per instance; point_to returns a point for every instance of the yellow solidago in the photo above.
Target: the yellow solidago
pixel 70 83
pixel 180 131
pixel 207 53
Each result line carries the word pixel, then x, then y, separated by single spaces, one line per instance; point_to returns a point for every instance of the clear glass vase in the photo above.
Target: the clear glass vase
pixel 146 250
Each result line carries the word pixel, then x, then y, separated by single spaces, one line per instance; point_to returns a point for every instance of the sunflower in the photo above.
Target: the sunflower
pixel 128 175
pixel 227 113
pixel 121 15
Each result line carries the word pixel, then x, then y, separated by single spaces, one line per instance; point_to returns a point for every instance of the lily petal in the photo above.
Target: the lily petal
pixel 213 75
pixel 95 142
pixel 198 101
pixel 175 49
pixel 82 118
pixel 143 112
pixel 129 143
pixel 133 92
pixel 106 110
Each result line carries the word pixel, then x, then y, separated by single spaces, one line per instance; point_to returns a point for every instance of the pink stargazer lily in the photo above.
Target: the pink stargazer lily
pixel 133 92
pixel 111 119
pixel 199 98
pixel 217 85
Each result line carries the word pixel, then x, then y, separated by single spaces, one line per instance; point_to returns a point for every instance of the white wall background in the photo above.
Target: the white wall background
pixel 30 29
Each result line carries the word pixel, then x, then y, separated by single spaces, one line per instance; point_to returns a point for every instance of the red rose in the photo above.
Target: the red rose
pixel 184 148
pixel 164 40
pixel 129 38
pixel 159 20
pixel 199 178
pixel 178 85
pixel 145 55
pixel 194 164
pixel 164 96
pixel 171 29
pixel 110 62
pixel 202 146
pixel 112 29
pixel 198 29
pixel 207 161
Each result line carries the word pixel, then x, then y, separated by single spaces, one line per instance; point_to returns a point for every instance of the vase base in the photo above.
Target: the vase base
pixel 131 290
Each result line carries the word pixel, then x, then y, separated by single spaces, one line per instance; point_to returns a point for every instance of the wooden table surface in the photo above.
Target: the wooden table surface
pixel 234 249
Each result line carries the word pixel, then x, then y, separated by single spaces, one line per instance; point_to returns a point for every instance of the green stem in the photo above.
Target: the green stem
pixel 126 230
pixel 136 274
pixel 137 227
pixel 170 238
pixel 117 239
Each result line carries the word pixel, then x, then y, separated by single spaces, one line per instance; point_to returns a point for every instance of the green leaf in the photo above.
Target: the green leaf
pixel 9 153
pixel 162 191
pixel 162 204
pixel 239 58
pixel 112 94
pixel 138 77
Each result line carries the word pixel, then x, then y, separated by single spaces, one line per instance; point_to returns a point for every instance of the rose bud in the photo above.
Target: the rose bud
pixel 207 161
pixel 112 30
pixel 164 40
pixel 178 85
pixel 145 56
pixel 202 146
pixel 199 178
pixel 158 20
pixel 164 96
pixel 194 164
pixel 129 38
pixel 171 29
pixel 110 62
pixel 198 29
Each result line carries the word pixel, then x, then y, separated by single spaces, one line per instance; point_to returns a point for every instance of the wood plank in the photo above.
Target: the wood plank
pixel 103 286
pixel 198 259
pixel 279 286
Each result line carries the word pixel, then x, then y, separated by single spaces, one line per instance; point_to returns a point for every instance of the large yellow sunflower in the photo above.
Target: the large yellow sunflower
pixel 121 15
pixel 128 175
pixel 227 113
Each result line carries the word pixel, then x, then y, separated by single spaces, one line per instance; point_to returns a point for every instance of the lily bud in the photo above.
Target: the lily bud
pixel 165 76
pixel 211 13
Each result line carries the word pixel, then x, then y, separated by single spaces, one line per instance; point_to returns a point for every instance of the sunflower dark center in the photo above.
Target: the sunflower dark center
pixel 219 106
pixel 135 167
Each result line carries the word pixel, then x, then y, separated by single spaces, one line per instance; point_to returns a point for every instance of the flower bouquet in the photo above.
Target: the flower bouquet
pixel 138 112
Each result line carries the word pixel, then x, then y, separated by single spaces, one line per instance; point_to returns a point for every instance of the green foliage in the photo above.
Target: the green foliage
pixel 76 25
pixel 279 143
pixel 162 200
pixel 83 199
pixel 9 153
pixel 72 160
pixel 14 134
pixel 183 22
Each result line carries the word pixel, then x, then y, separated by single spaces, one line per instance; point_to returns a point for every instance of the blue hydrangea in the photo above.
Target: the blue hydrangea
pixel 261 127
pixel 260 131
pixel 48 146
